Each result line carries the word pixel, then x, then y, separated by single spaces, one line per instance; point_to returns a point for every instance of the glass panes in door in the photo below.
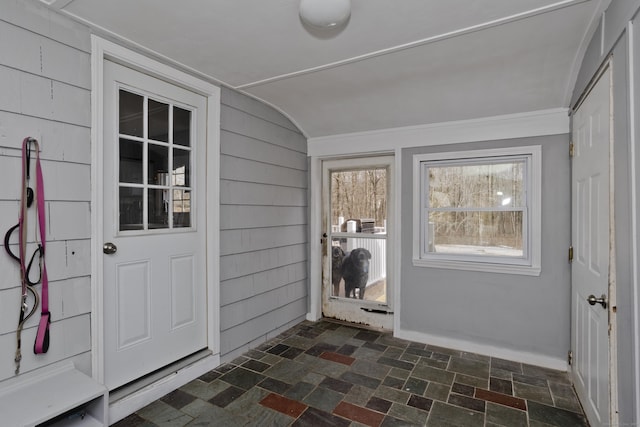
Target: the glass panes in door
pixel 358 234
pixel 154 163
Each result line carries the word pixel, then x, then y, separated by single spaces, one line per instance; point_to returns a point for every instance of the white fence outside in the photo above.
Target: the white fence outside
pixel 378 249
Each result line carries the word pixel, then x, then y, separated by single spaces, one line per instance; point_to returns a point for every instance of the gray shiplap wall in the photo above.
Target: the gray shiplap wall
pixel 45 84
pixel 263 221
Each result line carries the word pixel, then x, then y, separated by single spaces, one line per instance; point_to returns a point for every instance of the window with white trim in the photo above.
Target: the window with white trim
pixel 478 210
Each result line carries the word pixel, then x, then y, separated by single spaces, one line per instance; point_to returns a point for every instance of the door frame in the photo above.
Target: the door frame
pixel 102 50
pixel 612 342
pixel 314 312
pixel 354 163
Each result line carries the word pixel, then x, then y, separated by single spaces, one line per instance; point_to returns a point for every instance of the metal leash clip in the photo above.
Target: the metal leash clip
pixel 24 309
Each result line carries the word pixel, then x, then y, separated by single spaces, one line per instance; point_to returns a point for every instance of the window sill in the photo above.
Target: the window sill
pixel 523 270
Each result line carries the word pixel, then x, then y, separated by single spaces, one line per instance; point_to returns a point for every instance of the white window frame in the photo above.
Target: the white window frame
pixel 529 264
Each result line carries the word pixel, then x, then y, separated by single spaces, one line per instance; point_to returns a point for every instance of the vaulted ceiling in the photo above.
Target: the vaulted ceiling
pixel 395 63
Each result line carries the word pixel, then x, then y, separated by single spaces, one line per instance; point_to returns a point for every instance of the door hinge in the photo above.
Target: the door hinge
pixel 570 254
pixel 570 357
pixel 571 149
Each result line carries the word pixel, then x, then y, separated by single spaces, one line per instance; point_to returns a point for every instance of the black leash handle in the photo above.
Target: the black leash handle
pixel 7 237
pixel 38 252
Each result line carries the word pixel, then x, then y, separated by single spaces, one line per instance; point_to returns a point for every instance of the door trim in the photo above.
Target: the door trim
pixel 368 161
pixel 315 223
pixel 612 372
pixel 102 50
pixel 635 223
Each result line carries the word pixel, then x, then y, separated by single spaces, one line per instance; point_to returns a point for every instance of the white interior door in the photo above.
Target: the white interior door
pixel 356 269
pixel 154 224
pixel 590 267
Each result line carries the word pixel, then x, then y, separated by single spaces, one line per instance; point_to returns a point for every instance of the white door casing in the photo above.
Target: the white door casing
pixel 103 51
pixel 367 311
pixel 590 233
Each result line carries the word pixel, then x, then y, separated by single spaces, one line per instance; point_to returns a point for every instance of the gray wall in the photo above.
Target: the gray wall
pixel 263 221
pixel 45 84
pixel 513 312
pixel 615 41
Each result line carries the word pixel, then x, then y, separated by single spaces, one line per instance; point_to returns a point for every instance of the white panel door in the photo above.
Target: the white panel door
pixel 154 224
pixel 590 267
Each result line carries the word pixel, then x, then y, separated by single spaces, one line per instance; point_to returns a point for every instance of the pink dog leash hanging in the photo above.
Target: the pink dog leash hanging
pixel 42 337
pixel 41 344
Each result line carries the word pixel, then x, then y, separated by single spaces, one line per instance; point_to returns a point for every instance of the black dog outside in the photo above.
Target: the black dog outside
pixel 355 272
pixel 337 255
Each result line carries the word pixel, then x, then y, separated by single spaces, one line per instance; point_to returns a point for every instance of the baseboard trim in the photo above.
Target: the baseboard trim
pixel 488 350
pixel 127 405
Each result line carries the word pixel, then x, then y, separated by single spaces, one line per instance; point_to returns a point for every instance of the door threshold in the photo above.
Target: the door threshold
pixel 137 385
pixel 131 397
pixel 355 325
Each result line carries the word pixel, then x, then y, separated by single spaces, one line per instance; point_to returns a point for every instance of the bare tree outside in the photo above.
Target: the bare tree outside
pixel 359 194
pixel 477 205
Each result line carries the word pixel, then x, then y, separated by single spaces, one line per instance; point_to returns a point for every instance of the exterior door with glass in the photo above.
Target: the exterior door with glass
pixel 154 298
pixel 356 201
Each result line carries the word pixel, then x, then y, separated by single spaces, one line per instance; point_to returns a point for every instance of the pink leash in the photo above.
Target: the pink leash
pixel 41 344
pixel 42 337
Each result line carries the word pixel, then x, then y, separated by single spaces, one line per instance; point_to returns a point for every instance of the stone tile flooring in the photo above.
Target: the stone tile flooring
pixel 332 374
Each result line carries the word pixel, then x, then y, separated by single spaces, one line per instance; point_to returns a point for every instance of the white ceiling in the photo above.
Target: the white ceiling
pixel 396 62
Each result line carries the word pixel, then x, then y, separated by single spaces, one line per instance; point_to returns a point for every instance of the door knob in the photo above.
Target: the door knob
pixel 591 299
pixel 109 248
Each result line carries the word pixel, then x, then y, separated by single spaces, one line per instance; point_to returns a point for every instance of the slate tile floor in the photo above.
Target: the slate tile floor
pixel 332 374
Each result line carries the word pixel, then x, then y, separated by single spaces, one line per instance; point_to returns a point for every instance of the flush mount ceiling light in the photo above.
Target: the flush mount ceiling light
pixel 325 13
